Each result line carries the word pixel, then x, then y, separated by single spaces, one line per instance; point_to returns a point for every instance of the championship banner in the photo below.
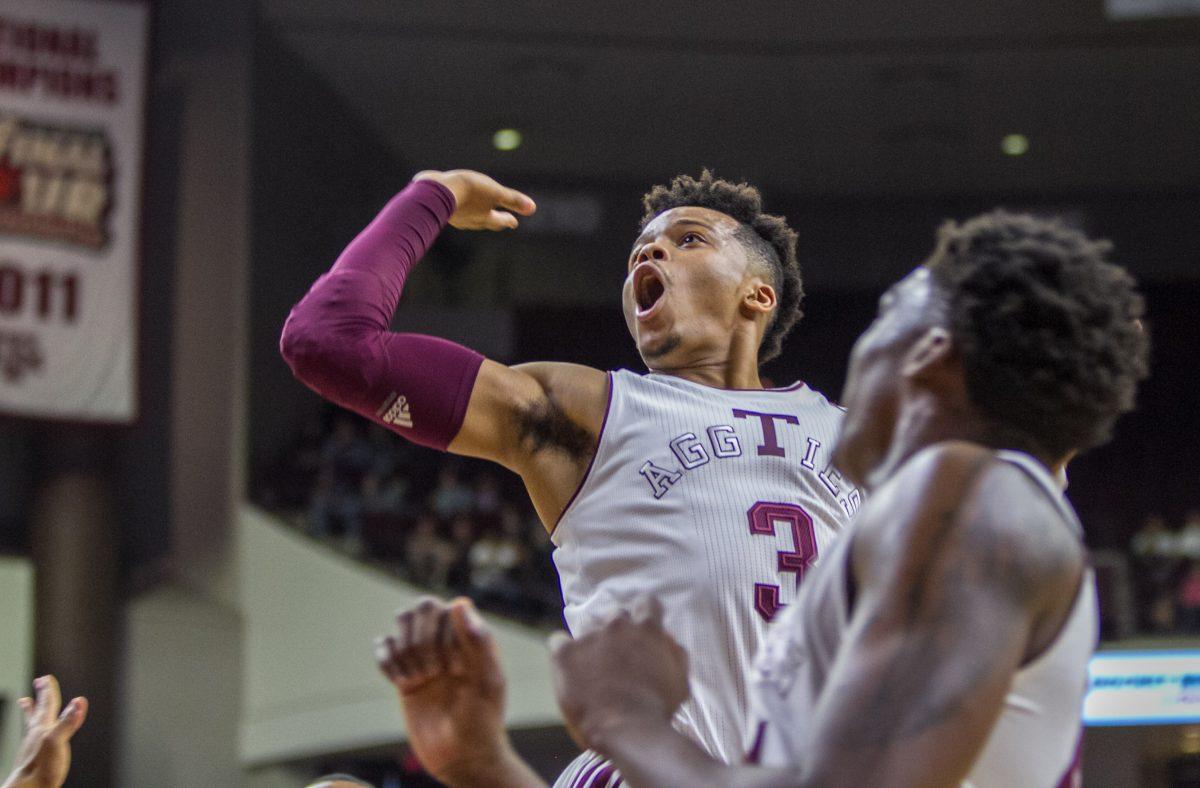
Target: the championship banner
pixel 72 92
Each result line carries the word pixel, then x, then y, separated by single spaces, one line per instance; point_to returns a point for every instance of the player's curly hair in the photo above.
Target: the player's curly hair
pixel 1049 330
pixel 767 237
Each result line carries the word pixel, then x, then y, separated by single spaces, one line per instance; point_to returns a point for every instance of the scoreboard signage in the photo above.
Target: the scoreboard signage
pixel 1143 688
pixel 72 93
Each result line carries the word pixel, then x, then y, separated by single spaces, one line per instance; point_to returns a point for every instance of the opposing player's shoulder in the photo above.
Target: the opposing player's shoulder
pixel 961 495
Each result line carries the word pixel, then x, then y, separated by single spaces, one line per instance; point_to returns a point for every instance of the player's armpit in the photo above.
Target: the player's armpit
pixel 948 595
pixel 540 420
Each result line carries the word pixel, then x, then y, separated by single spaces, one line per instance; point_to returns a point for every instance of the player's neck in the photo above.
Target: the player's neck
pixel 736 368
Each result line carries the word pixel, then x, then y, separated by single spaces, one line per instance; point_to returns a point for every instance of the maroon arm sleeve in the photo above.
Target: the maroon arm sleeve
pixel 336 340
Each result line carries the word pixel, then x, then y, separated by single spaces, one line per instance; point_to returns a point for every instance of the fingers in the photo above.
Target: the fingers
pixel 647 610
pixel 422 648
pixel 424 645
pixel 49 700
pixel 71 719
pixel 473 639
pixel 385 659
pixel 516 201
pixel 500 220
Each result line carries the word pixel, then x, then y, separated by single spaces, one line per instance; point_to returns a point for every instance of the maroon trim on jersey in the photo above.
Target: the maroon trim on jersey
pixel 1073 776
pixel 779 390
pixel 584 780
pixel 755 754
pixel 600 780
pixel 599 439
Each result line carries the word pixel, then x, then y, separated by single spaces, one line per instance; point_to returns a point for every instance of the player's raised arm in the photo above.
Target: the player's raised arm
pixel 432 391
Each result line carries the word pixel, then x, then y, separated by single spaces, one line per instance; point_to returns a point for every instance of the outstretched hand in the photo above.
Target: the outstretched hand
pixel 481 202
pixel 44 757
pixel 443 663
pixel 630 670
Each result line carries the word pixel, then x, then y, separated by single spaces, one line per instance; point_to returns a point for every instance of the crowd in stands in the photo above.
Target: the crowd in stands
pixel 451 525
pixel 1166 570
pixel 457 526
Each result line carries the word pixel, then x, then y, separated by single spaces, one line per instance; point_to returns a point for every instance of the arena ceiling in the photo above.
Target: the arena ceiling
pixel 846 97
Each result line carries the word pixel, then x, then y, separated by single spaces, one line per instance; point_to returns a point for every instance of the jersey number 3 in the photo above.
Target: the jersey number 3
pixel 764 518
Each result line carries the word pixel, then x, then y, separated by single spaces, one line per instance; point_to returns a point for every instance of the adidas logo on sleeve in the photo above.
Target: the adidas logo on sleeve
pixel 395 411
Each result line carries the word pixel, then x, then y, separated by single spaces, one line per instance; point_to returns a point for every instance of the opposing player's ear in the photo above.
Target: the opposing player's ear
pixel 930 354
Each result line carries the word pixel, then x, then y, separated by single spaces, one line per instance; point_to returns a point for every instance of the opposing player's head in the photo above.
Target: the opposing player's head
pixel 1016 328
pixel 710 273
pixel 339 781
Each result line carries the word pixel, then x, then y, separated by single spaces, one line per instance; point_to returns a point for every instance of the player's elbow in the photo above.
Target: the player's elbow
pixel 315 355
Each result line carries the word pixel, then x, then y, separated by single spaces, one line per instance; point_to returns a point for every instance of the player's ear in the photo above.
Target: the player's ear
pixel 930 354
pixel 758 298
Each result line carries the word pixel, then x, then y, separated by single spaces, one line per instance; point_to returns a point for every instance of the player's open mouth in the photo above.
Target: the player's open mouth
pixel 648 289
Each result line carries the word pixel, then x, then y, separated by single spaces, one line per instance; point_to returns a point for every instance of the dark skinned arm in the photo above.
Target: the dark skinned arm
pixel 961 573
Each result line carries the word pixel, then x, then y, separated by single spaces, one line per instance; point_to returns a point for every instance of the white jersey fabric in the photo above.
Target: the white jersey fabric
pixel 716 502
pixel 1035 741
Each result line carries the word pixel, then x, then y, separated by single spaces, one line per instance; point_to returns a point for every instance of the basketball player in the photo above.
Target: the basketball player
pixel 944 640
pixel 692 483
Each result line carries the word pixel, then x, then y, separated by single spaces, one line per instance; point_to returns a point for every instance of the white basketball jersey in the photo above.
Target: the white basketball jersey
pixel 1035 741
pixel 715 501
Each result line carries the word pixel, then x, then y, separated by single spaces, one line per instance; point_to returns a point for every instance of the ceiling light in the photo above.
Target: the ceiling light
pixel 506 139
pixel 1014 144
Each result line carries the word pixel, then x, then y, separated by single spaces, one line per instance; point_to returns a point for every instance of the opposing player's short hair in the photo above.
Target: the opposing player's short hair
pixel 339 778
pixel 765 236
pixel 1049 330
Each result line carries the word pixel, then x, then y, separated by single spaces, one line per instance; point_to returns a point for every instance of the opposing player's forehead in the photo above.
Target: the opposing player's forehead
pixel 912 293
pixel 721 224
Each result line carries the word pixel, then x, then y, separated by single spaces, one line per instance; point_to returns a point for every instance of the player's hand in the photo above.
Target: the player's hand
pixel 443 663
pixel 482 203
pixel 629 670
pixel 45 753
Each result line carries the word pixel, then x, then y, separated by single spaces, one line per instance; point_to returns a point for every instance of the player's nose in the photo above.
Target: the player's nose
pixel 651 251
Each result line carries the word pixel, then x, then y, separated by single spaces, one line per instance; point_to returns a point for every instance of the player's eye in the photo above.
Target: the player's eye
pixel 688 238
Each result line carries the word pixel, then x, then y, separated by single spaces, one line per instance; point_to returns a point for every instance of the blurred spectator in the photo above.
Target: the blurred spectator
pixel 487 495
pixel 1156 549
pixel 386 496
pixel 383 448
pixel 451 498
pixel 1118 617
pixel 386 513
pixel 495 559
pixel 1154 540
pixel 336 507
pixel 1189 537
pixel 346 452
pixel 538 577
pixel 1189 600
pixel 427 557
pixel 462 537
